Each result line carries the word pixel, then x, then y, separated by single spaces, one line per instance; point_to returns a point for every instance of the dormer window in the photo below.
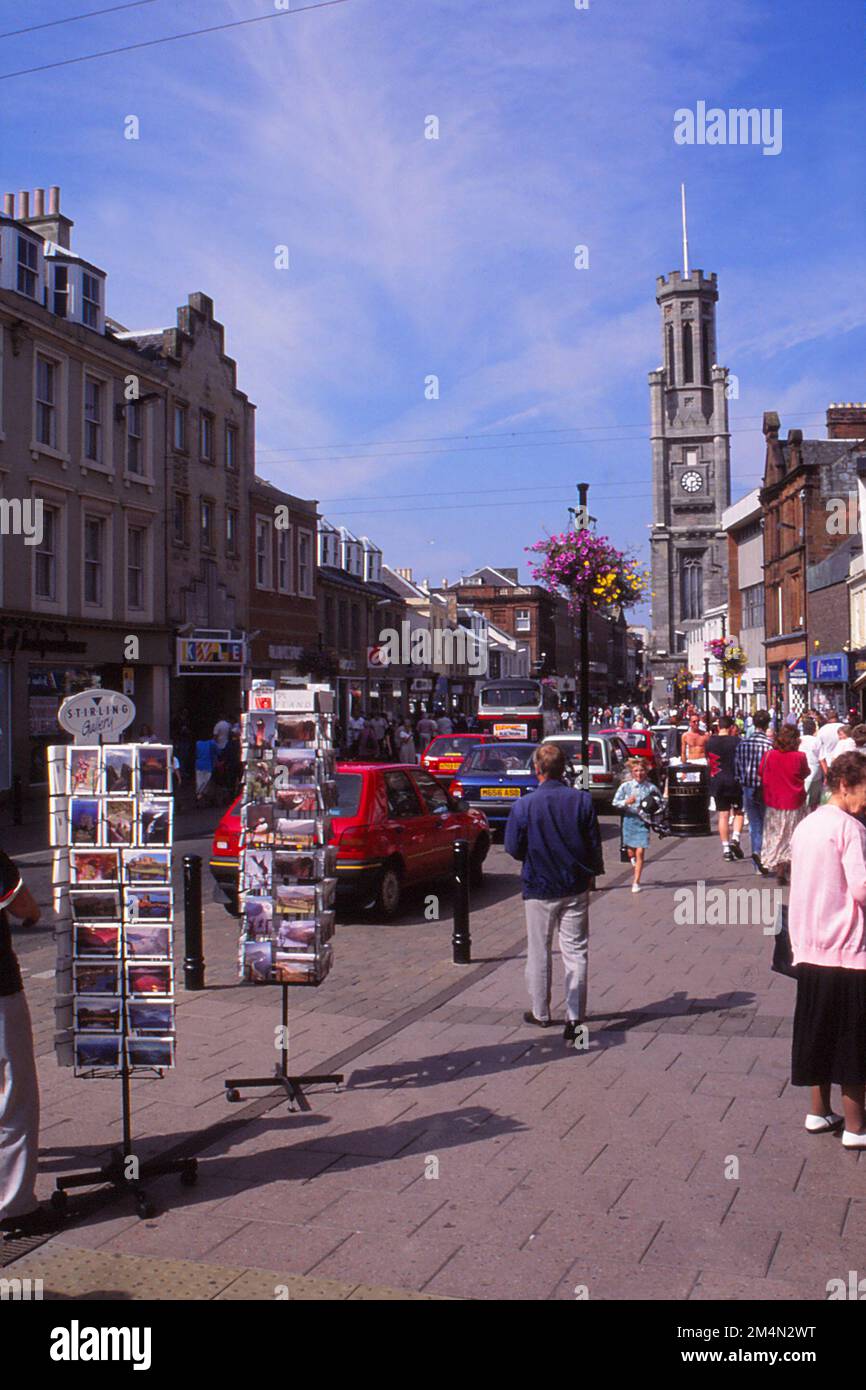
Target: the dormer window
pixel 28 266
pixel 90 300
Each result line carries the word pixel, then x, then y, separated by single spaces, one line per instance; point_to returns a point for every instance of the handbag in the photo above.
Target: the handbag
pixel 783 955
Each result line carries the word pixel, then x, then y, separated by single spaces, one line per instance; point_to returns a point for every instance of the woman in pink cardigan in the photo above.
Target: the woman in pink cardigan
pixel 828 941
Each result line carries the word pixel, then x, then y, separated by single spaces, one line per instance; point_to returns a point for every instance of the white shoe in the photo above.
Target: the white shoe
pixel 635 888
pixel 823 1124
pixel 853 1141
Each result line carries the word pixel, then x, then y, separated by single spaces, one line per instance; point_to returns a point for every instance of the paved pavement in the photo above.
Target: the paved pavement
pixel 468 1155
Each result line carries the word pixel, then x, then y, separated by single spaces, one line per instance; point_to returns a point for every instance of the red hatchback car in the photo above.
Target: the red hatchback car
pixel 444 753
pixel 394 827
pixel 641 744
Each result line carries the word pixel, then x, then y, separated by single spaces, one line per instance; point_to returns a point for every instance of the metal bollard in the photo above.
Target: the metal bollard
pixel 461 941
pixel 17 808
pixel 193 961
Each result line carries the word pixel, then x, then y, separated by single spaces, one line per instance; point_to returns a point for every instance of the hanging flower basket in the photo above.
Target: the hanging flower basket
pixel 730 655
pixel 582 565
pixel 683 681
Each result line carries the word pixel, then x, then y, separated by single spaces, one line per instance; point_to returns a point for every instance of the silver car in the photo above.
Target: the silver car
pixel 608 756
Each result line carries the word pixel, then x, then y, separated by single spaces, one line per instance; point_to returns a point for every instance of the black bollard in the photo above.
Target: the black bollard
pixel 193 962
pixel 461 941
pixel 17 810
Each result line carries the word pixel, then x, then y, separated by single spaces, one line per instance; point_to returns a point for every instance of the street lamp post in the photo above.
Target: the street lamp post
pixel 582 491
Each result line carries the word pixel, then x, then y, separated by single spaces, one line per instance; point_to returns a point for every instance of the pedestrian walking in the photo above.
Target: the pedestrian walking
pixel 725 788
pixel 828 947
pixel 426 730
pixel 694 743
pixel 20 1212
pixel 630 796
pixel 555 833
pixel 750 753
pixel 404 739
pixel 783 774
pixel 828 737
pixel 814 784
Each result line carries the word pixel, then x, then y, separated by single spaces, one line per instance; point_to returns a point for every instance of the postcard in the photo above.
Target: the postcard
pixel 97 941
pixel 298 764
pixel 259 917
pixel 83 776
pixel 295 834
pixel 150 1052
pixel 262 695
pixel 297 935
pixel 83 821
pixel 257 871
pixel 298 802
pixel 154 767
pixel 103 978
pixel 147 865
pixel 91 1050
pixel 91 905
pixel 326 922
pixel 291 867
pixel 149 979
pixel 147 942
pixel 259 729
pixel 155 820
pixel 295 899
pixel 293 731
pixel 257 818
pixel 99 1015
pixel 57 774
pixel 118 773
pixel 87 866
pixel 259 780
pixel 147 904
pixel 291 968
pixel 119 821
pixel 150 1018
pixel 327 893
pixel 258 961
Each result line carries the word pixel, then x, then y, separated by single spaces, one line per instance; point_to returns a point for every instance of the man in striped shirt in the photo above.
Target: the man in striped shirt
pixel 750 751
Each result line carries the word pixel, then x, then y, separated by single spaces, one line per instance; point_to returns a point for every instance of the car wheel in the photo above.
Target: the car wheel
pixel 389 893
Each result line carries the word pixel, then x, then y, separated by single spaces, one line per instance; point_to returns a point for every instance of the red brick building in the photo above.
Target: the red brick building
pixel 283 606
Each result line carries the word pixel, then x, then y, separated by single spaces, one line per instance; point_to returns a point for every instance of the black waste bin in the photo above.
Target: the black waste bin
pixel 688 799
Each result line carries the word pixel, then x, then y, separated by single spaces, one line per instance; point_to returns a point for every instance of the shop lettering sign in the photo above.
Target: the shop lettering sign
pixel 96 716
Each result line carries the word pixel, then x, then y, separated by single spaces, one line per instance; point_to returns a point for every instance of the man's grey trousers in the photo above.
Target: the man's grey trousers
pixel 571 916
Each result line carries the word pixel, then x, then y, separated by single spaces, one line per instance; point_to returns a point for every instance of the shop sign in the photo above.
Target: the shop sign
pixel 129 680
pixel 831 669
pixel 210 656
pixel 96 716
pixel 420 684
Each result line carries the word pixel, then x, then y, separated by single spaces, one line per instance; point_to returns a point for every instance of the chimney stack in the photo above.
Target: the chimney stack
pixel 51 225
pixel 53 200
pixel 846 420
pixel 39 202
pixel 23 205
pixel 8 204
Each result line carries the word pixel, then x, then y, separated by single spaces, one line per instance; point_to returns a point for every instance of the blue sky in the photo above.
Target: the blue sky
pixel 412 257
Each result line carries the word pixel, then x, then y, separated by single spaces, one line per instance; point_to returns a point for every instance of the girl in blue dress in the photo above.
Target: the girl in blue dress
pixel 635 834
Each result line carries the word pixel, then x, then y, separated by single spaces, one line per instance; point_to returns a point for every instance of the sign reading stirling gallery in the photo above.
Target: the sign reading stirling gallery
pixel 96 716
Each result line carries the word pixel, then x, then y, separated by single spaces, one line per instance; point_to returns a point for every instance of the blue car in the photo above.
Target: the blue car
pixel 493 776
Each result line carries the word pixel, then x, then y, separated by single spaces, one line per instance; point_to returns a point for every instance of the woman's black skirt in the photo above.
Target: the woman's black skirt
pixel 829 1043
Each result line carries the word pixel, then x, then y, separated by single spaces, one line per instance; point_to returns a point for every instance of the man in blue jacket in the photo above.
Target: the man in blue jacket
pixel 555 832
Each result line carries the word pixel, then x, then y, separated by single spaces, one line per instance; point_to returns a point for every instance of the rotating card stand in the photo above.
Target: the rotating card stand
pixel 292 1085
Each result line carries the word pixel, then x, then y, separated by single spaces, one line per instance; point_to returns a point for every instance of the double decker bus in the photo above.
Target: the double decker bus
pixel 518 707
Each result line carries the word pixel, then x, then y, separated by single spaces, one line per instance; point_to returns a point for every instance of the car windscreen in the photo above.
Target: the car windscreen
pixel 440 747
pixel 573 750
pixel 635 738
pixel 349 786
pixel 510 697
pixel 498 758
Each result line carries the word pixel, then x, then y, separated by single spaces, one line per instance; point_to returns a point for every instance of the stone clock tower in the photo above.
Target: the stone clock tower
pixel 691 471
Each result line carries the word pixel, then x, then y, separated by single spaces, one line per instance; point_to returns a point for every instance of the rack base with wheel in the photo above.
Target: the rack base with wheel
pixel 292 1085
pixel 114 1175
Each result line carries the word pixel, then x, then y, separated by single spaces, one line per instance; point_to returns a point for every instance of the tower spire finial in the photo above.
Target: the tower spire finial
pixel 685 234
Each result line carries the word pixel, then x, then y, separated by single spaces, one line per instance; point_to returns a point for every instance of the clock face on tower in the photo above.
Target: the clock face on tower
pixel 691 481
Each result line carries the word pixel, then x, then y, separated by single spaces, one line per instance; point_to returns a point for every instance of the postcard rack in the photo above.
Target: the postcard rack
pixel 111 835
pixel 287 870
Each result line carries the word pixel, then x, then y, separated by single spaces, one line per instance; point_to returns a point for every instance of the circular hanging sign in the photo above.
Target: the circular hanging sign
pixel 96 716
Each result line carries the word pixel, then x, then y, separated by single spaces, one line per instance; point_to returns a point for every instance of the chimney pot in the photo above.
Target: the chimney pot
pixel 23 204
pixel 39 202
pixel 53 200
pixel 9 204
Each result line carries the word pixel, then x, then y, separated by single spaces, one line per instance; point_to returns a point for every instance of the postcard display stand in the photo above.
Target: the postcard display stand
pixel 111 835
pixel 287 870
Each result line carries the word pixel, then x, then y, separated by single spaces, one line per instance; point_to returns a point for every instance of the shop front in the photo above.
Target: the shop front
pixel 208 683
pixel 829 677
pixel 857 668
pixel 787 686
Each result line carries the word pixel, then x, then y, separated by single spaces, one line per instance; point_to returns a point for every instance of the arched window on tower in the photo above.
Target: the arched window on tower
pixel 688 354
pixel 691 584
pixel 705 353
pixel 670 353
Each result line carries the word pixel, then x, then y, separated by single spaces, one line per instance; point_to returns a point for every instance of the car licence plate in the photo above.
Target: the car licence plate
pixel 500 792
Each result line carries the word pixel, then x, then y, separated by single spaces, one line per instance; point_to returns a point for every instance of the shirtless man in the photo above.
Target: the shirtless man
pixel 694 742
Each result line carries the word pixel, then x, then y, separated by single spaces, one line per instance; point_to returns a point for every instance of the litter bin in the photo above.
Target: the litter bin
pixel 688 799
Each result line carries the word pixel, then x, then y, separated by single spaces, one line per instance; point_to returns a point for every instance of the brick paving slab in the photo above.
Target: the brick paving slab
pixel 548 1161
